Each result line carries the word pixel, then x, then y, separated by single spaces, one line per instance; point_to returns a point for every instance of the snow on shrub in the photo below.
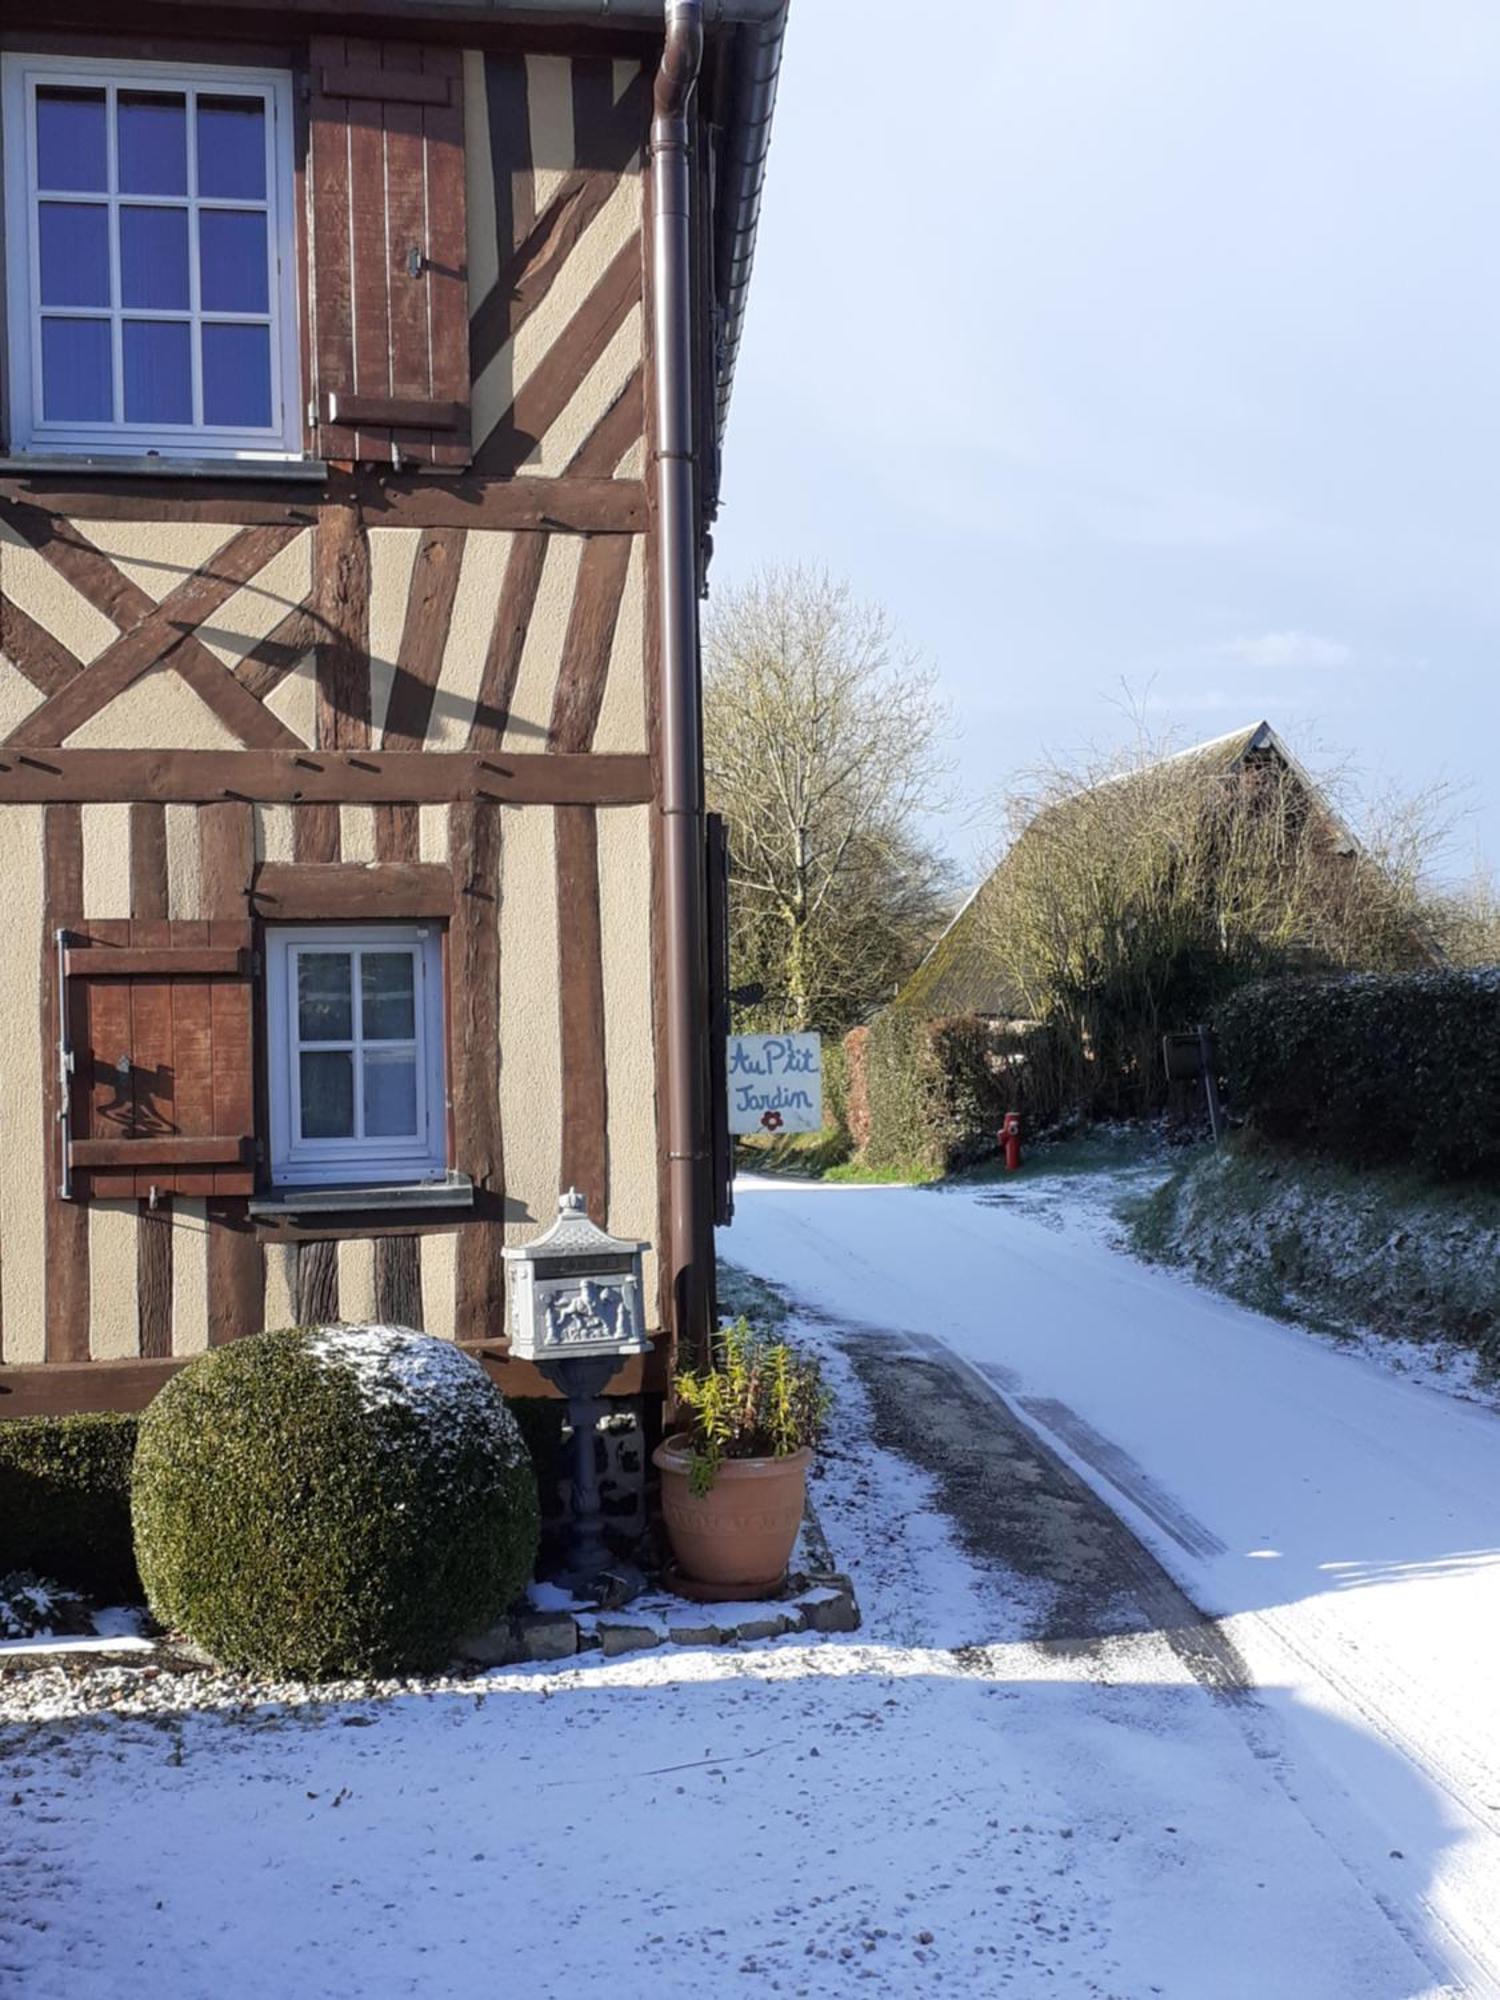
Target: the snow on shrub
pixel 1371 1068
pixel 335 1500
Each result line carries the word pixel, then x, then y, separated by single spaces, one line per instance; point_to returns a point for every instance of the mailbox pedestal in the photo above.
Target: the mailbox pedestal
pixel 576 1312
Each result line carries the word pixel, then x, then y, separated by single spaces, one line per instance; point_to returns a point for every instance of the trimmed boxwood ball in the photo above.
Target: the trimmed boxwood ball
pixel 328 1501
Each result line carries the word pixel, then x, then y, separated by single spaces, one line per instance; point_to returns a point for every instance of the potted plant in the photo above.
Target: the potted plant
pixel 734 1480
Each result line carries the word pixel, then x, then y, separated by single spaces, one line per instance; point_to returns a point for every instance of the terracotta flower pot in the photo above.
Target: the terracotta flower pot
pixel 741 1532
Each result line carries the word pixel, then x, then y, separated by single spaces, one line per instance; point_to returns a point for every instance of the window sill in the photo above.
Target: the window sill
pixel 303 471
pixel 457 1191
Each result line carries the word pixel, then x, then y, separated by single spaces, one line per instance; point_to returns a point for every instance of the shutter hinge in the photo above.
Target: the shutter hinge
pixel 255 965
pixel 304 87
pixel 260 1152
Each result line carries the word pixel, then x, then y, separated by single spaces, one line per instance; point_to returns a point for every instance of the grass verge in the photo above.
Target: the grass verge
pixel 1345 1252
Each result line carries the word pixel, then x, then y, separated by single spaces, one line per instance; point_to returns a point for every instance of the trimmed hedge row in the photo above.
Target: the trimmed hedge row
pixel 65 1501
pixel 65 1493
pixel 1371 1068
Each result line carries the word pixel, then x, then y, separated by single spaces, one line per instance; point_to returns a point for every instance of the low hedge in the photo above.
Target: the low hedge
pixel 65 1501
pixel 327 1501
pixel 1371 1068
pixel 938 1090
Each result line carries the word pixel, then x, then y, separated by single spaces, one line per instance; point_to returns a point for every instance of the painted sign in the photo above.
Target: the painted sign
pixel 775 1083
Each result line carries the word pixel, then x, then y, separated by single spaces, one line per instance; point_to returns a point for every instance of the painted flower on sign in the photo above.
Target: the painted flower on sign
pixel 772 1120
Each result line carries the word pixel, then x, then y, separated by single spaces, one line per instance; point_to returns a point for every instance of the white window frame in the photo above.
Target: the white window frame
pixel 354 1162
pixel 20 77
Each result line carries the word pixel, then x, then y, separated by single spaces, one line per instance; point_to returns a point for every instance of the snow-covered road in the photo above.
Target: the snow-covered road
pixel 1344 1523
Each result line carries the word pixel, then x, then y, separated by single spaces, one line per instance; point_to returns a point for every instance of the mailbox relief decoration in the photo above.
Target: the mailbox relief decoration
pixel 575 1291
pixel 775 1083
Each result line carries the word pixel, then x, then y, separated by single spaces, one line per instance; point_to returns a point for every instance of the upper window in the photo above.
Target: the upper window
pixel 354 1020
pixel 149 266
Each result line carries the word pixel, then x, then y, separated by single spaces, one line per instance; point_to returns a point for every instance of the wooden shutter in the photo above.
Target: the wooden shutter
pixel 718 1019
pixel 159 1039
pixel 390 293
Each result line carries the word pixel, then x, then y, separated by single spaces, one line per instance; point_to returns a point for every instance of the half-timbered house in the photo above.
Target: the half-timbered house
pixel 365 363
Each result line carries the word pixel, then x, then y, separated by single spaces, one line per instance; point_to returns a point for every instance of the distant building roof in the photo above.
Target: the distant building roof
pixel 963 974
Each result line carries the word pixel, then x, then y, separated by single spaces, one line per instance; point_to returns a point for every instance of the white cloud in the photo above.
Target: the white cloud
pixel 1290 649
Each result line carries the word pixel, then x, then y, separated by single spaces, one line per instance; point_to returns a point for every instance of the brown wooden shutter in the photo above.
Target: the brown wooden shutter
pixel 160 1032
pixel 718 1019
pixel 390 293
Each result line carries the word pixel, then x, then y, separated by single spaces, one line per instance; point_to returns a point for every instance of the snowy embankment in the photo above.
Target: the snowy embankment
pixel 1342 1522
pixel 1410 1271
pixel 938 1804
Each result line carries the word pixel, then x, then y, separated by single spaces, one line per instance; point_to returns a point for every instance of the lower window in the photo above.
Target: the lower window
pixel 354 1020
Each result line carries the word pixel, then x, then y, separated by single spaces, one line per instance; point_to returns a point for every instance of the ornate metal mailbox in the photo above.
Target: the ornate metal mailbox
pixel 575 1293
pixel 576 1312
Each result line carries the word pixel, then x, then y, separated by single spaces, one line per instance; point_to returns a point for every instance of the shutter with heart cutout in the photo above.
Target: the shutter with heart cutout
pixel 158 1047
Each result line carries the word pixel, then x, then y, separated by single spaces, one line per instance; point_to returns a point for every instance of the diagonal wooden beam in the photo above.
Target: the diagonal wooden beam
pixel 591 636
pixel 271 659
pixel 92 573
pixel 169 628
pixel 236 707
pixel 544 395
pixel 502 659
pixel 622 425
pixel 424 635
pixel 31 648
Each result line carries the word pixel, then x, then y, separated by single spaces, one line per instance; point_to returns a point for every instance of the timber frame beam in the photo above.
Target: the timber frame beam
pixel 569 505
pixel 334 777
pixel 59 1389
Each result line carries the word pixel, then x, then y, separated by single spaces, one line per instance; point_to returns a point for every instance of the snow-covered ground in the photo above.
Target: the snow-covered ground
pixel 938 1803
pixel 1344 1523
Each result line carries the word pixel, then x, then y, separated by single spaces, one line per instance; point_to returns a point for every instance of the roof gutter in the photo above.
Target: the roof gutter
pixel 676 475
pixel 758 68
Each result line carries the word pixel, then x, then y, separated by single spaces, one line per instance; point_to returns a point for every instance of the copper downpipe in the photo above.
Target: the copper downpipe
pixel 689 1243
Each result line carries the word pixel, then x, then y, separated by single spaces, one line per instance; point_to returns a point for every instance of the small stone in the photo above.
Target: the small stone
pixel 534 1635
pixel 621 1638
pixel 761 1628
pixel 833 1609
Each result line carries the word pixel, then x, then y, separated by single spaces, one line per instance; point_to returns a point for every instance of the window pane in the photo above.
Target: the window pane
pixel 76 371
pixel 158 371
pixel 70 143
pixel 327 1094
pixel 232 260
pixel 390 1093
pixel 325 1012
pixel 387 1002
pixel 152 137
pixel 154 258
pixel 73 238
pixel 237 375
pixel 232 147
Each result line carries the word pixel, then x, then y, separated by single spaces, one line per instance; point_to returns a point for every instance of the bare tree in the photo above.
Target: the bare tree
pixel 1467 921
pixel 821 738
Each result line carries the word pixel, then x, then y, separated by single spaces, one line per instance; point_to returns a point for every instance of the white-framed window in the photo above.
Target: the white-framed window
pixel 354 1033
pixel 149 265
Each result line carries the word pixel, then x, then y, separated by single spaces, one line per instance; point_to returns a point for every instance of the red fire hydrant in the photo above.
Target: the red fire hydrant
pixel 1010 1139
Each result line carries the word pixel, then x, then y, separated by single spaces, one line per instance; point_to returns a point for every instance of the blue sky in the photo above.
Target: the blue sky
pixel 1149 343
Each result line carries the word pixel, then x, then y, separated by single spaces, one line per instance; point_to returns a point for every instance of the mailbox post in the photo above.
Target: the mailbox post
pixel 576 1312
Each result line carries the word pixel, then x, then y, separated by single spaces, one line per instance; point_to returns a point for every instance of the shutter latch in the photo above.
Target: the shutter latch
pixel 416 263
